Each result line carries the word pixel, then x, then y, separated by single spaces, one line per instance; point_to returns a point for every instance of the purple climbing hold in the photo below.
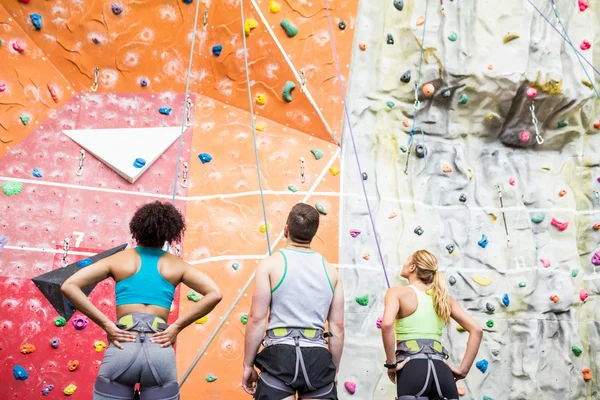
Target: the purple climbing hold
pixel 596 258
pixel 205 158
pixel 3 242
pixel 55 343
pixel 144 82
pixel 80 322
pixel 354 232
pixel 46 390
pixel 116 8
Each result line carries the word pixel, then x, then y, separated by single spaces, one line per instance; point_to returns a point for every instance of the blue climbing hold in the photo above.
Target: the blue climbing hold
pixel 70 305
pixel 217 50
pixel 205 157
pixel 187 1
pixel 36 20
pixel 165 110
pixel 482 365
pixel 139 162
pixel 505 300
pixel 37 173
pixel 20 373
pixel 484 241
pixel 85 262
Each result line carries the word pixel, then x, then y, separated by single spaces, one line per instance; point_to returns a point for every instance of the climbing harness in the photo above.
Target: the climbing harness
pixel 302 169
pixel 499 189
pixel 96 76
pixel 66 248
pixel 442 6
pixel 538 136
pixel 184 181
pixel 298 338
pixel 423 349
pixel 350 130
pixel 145 325
pixel 81 158
pixel 188 112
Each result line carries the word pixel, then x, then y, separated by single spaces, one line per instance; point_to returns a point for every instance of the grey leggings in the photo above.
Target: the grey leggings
pixel 141 362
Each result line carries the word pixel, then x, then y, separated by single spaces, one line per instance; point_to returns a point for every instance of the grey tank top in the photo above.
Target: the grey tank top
pixel 304 294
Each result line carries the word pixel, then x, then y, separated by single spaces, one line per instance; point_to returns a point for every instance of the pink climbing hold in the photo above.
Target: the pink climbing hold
pixel 379 322
pixel 585 45
pixel 80 322
pixel 583 5
pixel 525 135
pixel 531 92
pixel 17 46
pixel 583 294
pixel 596 258
pixel 350 387
pixel 2 87
pixel 512 181
pixel 545 262
pixel 561 226
pixel 354 232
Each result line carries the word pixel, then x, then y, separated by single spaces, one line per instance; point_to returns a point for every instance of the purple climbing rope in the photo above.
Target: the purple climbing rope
pixel 339 75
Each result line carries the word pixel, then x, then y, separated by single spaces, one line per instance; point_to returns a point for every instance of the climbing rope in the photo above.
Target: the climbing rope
pixel 262 199
pixel 568 40
pixel 563 36
pixel 339 76
pixel 417 103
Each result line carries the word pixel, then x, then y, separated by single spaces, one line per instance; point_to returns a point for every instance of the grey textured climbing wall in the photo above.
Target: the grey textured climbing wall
pixel 487 54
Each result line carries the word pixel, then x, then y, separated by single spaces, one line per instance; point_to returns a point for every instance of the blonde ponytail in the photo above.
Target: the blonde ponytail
pixel 428 273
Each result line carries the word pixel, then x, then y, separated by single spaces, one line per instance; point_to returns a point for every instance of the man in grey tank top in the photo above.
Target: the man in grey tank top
pixel 299 291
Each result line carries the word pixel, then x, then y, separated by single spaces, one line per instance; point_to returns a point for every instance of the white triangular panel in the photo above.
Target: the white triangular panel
pixel 119 148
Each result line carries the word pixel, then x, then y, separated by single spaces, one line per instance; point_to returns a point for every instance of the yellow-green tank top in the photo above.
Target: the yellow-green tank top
pixel 424 323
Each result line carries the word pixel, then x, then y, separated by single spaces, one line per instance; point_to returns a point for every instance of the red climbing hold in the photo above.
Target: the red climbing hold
pixel 597 126
pixel 585 45
pixel 561 226
pixel 583 5
pixel 53 93
pixel 350 387
pixel 17 46
pixel 531 92
pixel 583 294
pixel 525 135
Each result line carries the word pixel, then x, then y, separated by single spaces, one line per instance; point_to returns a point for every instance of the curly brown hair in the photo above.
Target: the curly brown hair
pixel 155 223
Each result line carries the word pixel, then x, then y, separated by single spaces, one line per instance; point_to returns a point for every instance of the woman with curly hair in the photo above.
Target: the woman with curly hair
pixel 412 324
pixel 140 349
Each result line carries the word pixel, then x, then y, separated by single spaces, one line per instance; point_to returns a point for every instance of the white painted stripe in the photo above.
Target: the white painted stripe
pixel 44 250
pixel 296 74
pixel 228 258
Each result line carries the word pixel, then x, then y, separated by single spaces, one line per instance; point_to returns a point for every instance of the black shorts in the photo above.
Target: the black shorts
pixel 280 361
pixel 411 379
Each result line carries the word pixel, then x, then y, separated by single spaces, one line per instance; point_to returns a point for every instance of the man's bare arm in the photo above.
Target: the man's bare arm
pixel 257 318
pixel 336 323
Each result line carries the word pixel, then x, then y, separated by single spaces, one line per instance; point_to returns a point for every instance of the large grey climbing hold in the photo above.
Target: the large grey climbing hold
pixel 365 176
pixel 419 230
pixel 495 352
pixel 420 150
pixel 490 307
pixel 405 77
pixel 462 197
pixel 452 280
pixel 399 4
pixel 450 248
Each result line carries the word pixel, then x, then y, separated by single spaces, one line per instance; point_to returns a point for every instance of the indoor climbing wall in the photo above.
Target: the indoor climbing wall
pixel 94 122
pixel 511 215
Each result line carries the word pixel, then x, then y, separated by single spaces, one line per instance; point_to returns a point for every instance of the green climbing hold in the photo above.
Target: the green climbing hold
pixel 320 208
pixel 244 319
pixel 563 123
pixel 287 91
pixel 390 104
pixel 235 266
pixel 293 188
pixel 463 99
pixel 487 398
pixel 538 217
pixel 453 36
pixel 574 272
pixel 60 321
pixel 24 119
pixel 210 378
pixel 317 153
pixel 289 29
pixel 522 284
pixel 363 301
pixel 576 350
pixel 12 188
pixel 193 296
pixel 403 149
pixel 490 323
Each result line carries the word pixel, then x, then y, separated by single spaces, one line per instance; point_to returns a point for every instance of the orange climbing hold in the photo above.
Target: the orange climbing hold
pixel 490 67
pixel 562 193
pixel 597 124
pixel 446 168
pixel 405 123
pixel 366 256
pixel 428 89
pixel 362 46
pixel 555 298
pixel 587 374
pixel 420 20
pixel 52 93
pixel 597 225
pixel 27 348
pixel 73 365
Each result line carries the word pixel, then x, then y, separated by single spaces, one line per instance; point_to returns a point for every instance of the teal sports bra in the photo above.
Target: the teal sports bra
pixel 147 286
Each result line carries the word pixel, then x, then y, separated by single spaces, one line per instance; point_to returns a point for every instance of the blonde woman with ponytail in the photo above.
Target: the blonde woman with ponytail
pixel 412 324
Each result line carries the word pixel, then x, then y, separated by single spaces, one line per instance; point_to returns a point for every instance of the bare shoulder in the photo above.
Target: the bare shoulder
pixel 274 260
pixel 397 291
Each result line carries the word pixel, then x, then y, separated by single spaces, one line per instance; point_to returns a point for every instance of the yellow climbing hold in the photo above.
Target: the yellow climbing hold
pixel 460 328
pixel 274 7
pixel 260 127
pixel 470 172
pixel 587 83
pixel 494 218
pixel 263 229
pixel 545 167
pixel 490 116
pixel 334 171
pixel 510 37
pixel 99 345
pixel 69 390
pixel 250 25
pixel 482 280
pixel 261 99
pixel 202 320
